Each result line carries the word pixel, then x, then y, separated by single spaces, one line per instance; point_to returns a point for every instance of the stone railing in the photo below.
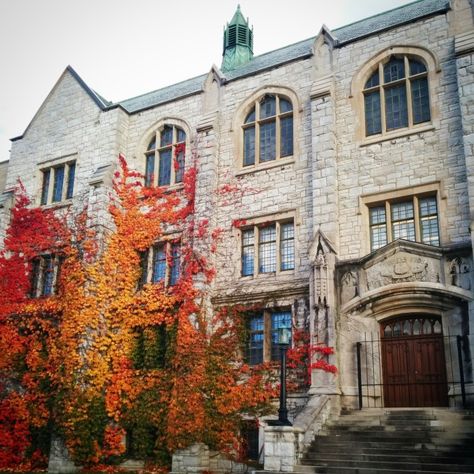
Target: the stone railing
pixel 284 445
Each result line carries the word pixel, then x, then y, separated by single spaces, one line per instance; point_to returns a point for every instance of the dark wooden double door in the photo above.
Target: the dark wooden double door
pixel 414 368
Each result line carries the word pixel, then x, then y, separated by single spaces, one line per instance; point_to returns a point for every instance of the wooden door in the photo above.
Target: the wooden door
pixel 414 369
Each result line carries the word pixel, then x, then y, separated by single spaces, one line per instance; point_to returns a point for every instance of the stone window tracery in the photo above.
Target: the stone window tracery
pixel 165 157
pixel 161 264
pixel 44 275
pixel 413 218
pixel 396 95
pixel 268 130
pixel 58 183
pixel 263 328
pixel 268 248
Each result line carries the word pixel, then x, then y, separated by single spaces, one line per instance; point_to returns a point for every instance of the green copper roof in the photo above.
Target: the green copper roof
pixel 238 18
pixel 238 43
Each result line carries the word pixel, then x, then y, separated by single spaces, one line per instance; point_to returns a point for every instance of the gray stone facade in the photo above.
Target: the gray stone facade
pixel 339 287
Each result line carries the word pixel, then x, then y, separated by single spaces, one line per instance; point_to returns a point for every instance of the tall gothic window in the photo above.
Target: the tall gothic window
pixel 164 163
pixel 268 130
pixel 396 96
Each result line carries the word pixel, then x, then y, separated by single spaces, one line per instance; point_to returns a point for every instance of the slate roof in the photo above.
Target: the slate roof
pixel 346 34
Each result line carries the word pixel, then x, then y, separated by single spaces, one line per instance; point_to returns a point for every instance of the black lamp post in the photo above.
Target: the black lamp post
pixel 283 343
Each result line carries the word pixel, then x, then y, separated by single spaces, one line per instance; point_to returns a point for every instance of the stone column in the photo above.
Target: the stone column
pixel 281 448
pixel 464 50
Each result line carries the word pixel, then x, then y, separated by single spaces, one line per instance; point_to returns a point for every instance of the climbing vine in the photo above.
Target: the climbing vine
pixel 110 354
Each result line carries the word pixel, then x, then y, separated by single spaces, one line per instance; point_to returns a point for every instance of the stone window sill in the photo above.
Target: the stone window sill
pixel 266 166
pixel 397 134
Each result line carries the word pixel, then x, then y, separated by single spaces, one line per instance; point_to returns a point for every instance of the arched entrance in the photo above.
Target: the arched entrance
pixel 413 362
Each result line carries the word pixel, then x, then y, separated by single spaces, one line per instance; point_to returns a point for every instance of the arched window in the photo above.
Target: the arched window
pixel 268 130
pixel 165 157
pixel 396 95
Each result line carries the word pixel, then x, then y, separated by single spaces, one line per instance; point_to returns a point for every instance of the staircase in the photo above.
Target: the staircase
pixel 390 441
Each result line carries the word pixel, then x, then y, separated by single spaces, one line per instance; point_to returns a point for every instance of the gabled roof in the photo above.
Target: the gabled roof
pixel 344 35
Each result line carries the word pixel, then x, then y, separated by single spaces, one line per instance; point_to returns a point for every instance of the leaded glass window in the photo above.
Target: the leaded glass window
pixel 165 157
pixel 161 264
pixel 414 219
pixel 400 100
pixel 268 248
pixel 58 183
pixel 44 275
pixel 268 130
pixel 263 329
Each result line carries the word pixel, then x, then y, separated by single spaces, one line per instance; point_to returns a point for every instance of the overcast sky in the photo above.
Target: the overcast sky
pixel 124 48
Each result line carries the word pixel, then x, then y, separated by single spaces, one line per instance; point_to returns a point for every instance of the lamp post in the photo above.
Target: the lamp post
pixel 283 343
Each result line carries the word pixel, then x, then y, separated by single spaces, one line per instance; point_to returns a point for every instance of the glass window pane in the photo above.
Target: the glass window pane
pixel 180 135
pixel 58 183
pixel 373 80
pixel 70 180
pixel 48 276
pixel 373 121
pixel 286 137
pixel 287 247
pixel 267 107
pixel 403 224
pixel 249 146
pixel 149 170
pixel 179 167
pixel 159 264
pixel 428 206
pixel 280 320
pixel 45 187
pixel 394 70
pixel 416 67
pixel 267 141
pixel 248 252
pixel 175 269
pixel 250 117
pixel 152 144
pixel 166 136
pixel 396 107
pixel 267 249
pixel 256 339
pixel 378 227
pixel 285 106
pixel 420 100
pixel 165 168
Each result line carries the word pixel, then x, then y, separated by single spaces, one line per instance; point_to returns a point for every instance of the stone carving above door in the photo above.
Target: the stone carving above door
pixel 400 268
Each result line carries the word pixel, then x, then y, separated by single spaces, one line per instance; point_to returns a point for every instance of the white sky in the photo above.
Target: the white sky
pixel 124 48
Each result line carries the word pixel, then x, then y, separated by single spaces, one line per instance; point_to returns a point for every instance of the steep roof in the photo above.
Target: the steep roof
pixel 344 35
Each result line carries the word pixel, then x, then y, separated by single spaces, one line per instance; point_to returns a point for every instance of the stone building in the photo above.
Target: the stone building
pixel 352 152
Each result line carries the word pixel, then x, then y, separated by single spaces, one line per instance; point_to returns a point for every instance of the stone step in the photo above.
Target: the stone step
pixel 357 470
pixel 311 458
pixel 325 442
pixel 383 427
pixel 450 452
pixel 383 467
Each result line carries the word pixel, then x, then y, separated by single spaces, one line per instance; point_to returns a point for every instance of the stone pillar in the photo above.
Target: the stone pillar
pixel 464 50
pixel 59 460
pixel 281 448
pixel 195 458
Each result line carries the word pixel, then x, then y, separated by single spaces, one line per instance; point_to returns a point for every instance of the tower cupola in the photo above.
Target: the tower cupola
pixel 238 42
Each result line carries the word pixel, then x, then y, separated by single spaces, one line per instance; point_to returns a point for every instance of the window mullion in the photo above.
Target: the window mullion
pixel 174 140
pixel 382 99
pixel 416 216
pixel 256 253
pixel 267 336
pixel 388 219
pixel 408 88
pixel 277 129
pixel 257 133
pixel 278 247
pixel 52 177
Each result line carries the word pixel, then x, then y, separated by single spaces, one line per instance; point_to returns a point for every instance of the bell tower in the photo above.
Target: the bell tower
pixel 238 42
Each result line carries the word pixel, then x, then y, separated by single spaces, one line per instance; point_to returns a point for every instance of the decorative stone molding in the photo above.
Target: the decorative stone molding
pixel 464 43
